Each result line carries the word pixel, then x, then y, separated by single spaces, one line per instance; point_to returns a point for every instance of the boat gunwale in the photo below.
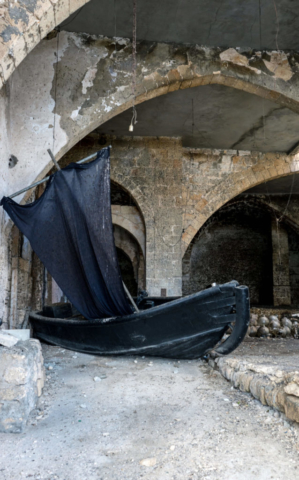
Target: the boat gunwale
pixel 136 316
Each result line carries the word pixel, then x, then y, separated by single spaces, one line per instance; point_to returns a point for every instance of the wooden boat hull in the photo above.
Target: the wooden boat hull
pixel 185 328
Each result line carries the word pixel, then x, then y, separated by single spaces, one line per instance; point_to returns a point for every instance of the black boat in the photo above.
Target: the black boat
pixel 70 229
pixel 185 328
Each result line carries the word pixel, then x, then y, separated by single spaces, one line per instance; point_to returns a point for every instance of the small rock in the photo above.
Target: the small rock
pixel 235 405
pixel 106 434
pixel 292 388
pixel 285 332
pixel 172 448
pixel 7 340
pixel 252 331
pixel 263 332
pixel 96 379
pixel 148 462
pixel 286 322
pixel 263 321
pixel 83 405
pixel 253 320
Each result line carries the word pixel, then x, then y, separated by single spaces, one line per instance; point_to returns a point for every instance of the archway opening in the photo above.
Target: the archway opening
pixel 235 243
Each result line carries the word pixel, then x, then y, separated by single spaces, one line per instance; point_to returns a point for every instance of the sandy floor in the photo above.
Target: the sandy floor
pixel 139 418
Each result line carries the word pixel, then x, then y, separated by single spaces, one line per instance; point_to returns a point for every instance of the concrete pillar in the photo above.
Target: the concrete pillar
pixel 280 256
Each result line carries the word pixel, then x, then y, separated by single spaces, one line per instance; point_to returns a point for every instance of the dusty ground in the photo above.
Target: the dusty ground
pixel 100 417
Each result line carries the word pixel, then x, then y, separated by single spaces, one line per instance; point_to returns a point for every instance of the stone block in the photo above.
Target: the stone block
pixel 21 383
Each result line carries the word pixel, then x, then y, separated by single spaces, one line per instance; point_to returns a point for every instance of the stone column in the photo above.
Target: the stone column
pixel 280 256
pixel 164 229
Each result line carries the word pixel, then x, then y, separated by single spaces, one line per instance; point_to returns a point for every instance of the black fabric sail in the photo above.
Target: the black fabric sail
pixel 70 229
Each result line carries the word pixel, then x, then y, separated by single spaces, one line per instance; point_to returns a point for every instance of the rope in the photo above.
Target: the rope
pixel 55 90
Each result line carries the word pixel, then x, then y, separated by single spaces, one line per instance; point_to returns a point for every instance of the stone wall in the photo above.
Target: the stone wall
pixel 235 243
pixel 21 383
pixel 151 170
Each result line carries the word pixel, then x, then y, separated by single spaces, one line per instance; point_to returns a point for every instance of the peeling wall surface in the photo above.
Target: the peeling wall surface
pixel 60 102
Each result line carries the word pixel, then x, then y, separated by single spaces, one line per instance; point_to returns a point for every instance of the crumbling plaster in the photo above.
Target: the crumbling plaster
pixel 92 84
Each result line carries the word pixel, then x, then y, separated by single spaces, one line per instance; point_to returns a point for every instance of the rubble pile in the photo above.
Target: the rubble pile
pixel 269 325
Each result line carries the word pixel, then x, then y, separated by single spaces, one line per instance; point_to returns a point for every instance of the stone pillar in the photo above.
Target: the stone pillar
pixel 280 256
pixel 164 229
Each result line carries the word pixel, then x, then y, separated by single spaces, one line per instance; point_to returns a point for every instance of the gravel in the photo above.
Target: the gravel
pixel 145 422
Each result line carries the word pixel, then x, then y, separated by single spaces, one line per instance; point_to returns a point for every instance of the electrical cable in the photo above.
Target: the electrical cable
pixel 134 67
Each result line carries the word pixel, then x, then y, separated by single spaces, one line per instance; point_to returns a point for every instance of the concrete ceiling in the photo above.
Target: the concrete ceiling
pixel 224 118
pixel 280 186
pixel 206 22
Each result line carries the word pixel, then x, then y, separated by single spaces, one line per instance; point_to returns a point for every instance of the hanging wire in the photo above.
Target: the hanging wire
pixel 134 66
pixel 277 24
pixel 260 23
pixel 260 34
pixel 115 18
pixel 55 89
pixel 192 118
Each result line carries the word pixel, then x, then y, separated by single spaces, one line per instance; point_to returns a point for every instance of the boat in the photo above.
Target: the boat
pixel 70 229
pixel 185 328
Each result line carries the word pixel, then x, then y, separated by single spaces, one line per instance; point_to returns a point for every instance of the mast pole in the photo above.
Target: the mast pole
pixel 47 178
pixel 130 297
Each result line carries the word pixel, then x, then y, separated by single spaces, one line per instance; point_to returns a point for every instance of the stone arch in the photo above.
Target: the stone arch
pixel 264 167
pixel 124 219
pixel 126 242
pixel 25 25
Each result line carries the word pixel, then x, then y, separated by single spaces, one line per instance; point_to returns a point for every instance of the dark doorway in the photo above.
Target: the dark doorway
pixel 235 244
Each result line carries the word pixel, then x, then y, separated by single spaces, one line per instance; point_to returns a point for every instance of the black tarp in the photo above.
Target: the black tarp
pixel 70 229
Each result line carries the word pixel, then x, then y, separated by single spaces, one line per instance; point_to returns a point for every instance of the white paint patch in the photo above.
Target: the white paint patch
pixel 75 114
pixel 91 72
pixel 107 108
pixel 88 79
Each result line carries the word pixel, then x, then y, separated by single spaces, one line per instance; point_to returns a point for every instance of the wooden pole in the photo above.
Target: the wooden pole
pixel 130 297
pixel 47 178
pixel 53 159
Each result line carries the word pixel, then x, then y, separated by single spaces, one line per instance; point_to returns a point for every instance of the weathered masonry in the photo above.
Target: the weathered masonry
pixel 204 190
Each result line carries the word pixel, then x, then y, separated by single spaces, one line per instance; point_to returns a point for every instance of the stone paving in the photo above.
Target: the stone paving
pixel 268 369
pixel 128 418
